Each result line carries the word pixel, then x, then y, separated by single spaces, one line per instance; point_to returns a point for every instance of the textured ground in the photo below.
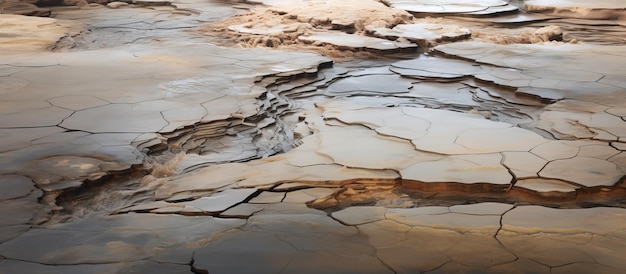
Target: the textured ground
pixel 313 136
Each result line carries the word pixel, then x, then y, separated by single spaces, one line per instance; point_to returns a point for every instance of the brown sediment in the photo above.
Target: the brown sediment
pixel 410 193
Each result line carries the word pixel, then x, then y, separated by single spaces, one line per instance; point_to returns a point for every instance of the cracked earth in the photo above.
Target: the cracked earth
pixel 290 136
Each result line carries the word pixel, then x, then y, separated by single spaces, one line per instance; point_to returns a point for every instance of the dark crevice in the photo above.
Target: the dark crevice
pixel 508 169
pixel 100 196
pixel 242 130
pixel 193 268
pixel 495 236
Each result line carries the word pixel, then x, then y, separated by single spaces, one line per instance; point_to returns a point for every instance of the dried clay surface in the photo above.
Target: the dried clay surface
pixel 290 136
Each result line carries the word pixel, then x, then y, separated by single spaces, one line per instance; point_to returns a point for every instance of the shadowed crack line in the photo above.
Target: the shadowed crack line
pixel 495 236
pixel 193 267
pixel 440 266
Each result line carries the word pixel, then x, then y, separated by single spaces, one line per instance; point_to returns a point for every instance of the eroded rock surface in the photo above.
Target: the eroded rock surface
pixel 489 139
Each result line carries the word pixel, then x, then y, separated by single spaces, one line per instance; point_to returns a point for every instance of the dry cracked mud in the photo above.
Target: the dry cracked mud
pixel 291 136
